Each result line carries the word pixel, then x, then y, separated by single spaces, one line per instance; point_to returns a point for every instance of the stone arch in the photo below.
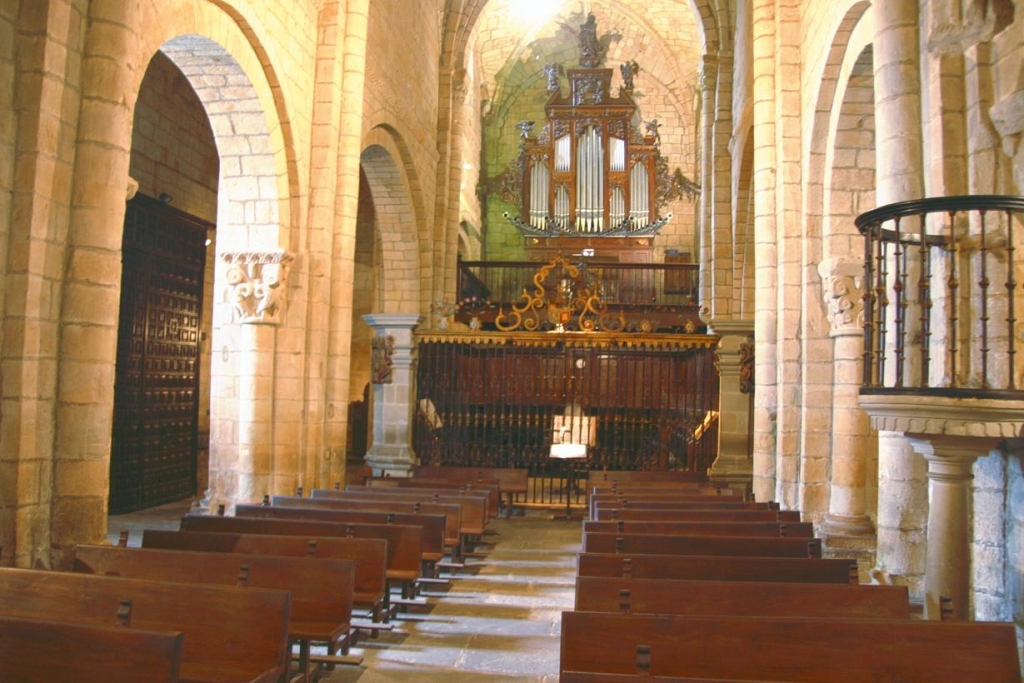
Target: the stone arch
pixel 221 54
pixel 399 268
pixel 838 464
pixel 249 213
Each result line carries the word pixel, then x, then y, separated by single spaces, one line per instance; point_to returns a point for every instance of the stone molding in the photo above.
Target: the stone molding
pixel 939 415
pixel 256 282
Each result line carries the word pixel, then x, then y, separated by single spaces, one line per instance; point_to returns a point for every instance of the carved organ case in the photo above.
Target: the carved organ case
pixel 589 171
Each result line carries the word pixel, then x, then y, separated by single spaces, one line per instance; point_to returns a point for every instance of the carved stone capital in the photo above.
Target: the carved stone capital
pixel 957 25
pixel 843 292
pixel 255 284
pixel 708 72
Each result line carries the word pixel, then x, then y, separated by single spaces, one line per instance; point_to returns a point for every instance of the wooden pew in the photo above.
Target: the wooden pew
pixel 511 480
pixel 667 501
pixel 367 555
pixel 793 649
pixel 701 515
pixel 702 487
pixel 670 596
pixel 474 507
pixel 492 490
pixel 710 568
pixel 44 649
pixel 589 677
pixel 231 634
pixel 437 536
pixel 691 503
pixel 777 529
pixel 662 544
pixel 321 590
pixel 595 477
pixel 404 543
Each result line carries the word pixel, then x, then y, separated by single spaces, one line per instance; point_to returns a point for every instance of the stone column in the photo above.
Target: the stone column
pixel 255 289
pixel 900 177
pixel 948 561
pixel 734 466
pixel 847 515
pixel 708 77
pixel 393 375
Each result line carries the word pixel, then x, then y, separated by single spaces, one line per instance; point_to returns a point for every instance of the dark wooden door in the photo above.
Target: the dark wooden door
pixel 156 401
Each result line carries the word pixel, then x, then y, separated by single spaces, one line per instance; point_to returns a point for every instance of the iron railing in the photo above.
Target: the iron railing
pixel 941 303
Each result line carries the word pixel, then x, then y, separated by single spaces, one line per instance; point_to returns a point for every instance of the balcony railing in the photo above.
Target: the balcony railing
pixel 942 309
pixel 650 296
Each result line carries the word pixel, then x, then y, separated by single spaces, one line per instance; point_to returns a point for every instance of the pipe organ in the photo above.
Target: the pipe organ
pixel 589 171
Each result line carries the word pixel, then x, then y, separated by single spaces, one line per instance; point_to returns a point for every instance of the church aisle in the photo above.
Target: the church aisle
pixel 500 622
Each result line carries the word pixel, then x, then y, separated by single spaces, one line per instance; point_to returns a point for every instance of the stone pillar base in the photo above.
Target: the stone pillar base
pixel 390 461
pixel 853 526
pixel 738 483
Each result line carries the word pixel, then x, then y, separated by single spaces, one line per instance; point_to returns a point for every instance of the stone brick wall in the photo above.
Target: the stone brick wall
pixel 997 553
pixel 173 150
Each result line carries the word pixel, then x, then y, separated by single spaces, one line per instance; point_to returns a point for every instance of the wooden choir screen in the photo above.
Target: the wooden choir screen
pixel 153 442
pixel 491 400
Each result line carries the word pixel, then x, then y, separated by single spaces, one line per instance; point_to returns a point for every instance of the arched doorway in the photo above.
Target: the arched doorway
pixel 203 157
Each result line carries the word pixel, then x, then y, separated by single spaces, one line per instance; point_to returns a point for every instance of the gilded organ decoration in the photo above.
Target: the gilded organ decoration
pixel 565 297
pixel 256 284
pixel 592 169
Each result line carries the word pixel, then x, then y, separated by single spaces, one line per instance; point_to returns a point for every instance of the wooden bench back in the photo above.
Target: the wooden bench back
pixel 42 649
pixel 691 503
pixel 321 590
pixel 493 490
pixel 663 544
pixel 769 529
pixel 665 501
pixel 368 555
pixel 702 515
pixel 240 633
pixel 590 677
pixel 405 543
pixel 512 482
pixel 710 568
pixel 595 477
pixel 669 596
pixel 796 649
pixel 436 532
pixel 474 507
pixel 664 493
pixel 511 479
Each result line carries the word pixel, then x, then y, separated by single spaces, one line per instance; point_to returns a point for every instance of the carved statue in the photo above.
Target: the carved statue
pixel 629 70
pixel 590 47
pixel 381 351
pixel 652 127
pixel 525 129
pixel 553 71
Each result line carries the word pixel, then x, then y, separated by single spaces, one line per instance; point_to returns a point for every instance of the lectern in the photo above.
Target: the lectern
pixel 571 436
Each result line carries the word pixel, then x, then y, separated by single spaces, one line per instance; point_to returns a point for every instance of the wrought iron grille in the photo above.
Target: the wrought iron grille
pixel 941 306
pixel 493 400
